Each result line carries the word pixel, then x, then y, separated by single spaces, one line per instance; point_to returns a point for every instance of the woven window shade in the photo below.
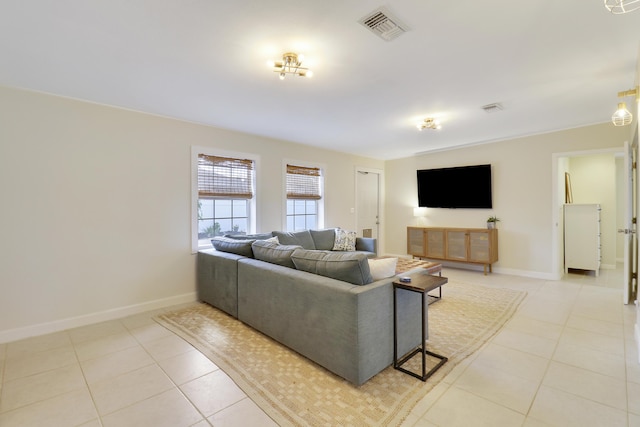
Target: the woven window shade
pixel 225 177
pixel 303 182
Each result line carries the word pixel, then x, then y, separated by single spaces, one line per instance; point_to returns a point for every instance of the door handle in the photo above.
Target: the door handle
pixel 626 231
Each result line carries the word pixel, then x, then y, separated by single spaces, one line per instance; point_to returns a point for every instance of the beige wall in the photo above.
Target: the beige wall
pixel 95 213
pixel 96 207
pixel 523 188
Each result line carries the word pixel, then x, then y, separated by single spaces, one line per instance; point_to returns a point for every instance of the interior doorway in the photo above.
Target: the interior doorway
pixel 369 203
pixel 597 176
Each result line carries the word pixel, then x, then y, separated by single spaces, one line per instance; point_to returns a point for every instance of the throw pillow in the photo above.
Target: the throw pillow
pixel 324 239
pixel 238 247
pixel 382 268
pixel 274 253
pixel 345 240
pixel 301 238
pixel 260 236
pixel 348 267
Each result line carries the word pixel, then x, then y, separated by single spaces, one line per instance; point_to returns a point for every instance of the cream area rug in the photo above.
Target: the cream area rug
pixel 294 391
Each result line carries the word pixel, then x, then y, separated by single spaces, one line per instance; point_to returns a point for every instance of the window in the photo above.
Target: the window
pixel 304 194
pixel 225 194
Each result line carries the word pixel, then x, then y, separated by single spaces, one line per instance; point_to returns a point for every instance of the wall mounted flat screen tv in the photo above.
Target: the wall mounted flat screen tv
pixel 464 187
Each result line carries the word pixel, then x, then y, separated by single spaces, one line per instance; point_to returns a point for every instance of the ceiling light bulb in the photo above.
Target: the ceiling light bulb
pixel 619 7
pixel 622 116
pixel 290 64
pixel 271 64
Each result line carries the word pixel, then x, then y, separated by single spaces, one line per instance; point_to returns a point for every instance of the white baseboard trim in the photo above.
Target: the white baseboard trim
pixel 88 319
pixel 527 273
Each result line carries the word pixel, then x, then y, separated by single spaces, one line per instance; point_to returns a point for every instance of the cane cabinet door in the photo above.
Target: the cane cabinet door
pixel 457 245
pixel 435 243
pixel 479 247
pixel 415 241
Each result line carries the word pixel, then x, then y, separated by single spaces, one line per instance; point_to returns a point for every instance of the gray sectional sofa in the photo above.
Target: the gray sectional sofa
pixel 319 302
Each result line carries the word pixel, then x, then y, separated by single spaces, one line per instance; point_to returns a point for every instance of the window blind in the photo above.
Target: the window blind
pixel 303 182
pixel 225 177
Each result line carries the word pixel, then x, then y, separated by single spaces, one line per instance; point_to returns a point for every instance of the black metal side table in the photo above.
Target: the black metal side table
pixel 421 284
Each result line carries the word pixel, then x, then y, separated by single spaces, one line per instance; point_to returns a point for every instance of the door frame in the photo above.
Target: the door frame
pixel 381 203
pixel 557 238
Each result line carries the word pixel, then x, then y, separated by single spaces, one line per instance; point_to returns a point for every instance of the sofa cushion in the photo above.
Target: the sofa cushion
pixel 238 247
pixel 301 238
pixel 274 253
pixel 323 239
pixel 344 240
pixel 348 267
pixel 382 268
pixel 259 236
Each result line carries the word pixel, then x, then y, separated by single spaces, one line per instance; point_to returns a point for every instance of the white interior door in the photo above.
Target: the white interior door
pixel 630 239
pixel 368 203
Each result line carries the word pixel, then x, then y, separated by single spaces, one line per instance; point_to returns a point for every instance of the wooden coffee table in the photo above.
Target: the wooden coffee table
pixel 422 284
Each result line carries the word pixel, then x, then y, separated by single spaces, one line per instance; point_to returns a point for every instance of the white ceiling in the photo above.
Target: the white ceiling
pixel 551 64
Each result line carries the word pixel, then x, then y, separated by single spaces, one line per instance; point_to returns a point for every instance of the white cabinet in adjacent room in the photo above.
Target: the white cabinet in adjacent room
pixel 582 237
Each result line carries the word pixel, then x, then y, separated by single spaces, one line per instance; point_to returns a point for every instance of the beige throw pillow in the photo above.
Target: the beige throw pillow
pixel 382 268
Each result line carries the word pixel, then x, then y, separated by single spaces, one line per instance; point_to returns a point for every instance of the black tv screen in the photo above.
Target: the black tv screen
pixel 464 187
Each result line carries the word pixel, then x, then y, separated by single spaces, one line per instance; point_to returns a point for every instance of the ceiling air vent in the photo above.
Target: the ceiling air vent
pixel 492 108
pixel 384 25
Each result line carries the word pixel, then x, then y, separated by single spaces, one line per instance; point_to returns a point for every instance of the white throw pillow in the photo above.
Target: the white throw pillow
pixel 345 240
pixel 382 268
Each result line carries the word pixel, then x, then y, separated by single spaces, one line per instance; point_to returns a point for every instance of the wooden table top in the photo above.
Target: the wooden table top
pixel 421 283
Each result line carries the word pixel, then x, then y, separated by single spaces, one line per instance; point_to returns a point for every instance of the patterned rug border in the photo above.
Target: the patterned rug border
pixel 401 409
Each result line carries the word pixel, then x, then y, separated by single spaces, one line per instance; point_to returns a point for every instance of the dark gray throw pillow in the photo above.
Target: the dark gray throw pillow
pixel 324 239
pixel 351 267
pixel 239 247
pixel 300 238
pixel 274 253
pixel 259 236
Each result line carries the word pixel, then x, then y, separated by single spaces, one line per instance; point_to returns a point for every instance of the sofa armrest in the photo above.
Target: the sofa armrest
pixel 367 244
pixel 217 279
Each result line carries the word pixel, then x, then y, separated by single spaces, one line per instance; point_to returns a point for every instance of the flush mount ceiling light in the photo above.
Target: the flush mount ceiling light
pixel 618 7
pixel 622 116
pixel 429 123
pixel 291 64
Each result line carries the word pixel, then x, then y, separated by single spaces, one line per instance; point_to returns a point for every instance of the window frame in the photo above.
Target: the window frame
pixel 252 203
pixel 320 201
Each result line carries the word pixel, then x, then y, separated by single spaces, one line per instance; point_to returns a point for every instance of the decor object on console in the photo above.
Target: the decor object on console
pixel 468 245
pixel 492 221
pixel 619 7
pixel 291 64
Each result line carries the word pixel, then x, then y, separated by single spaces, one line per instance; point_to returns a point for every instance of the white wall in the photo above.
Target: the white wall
pixel 523 187
pixel 95 215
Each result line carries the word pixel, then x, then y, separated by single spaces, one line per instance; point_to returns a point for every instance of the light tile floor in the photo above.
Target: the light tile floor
pixel 567 358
